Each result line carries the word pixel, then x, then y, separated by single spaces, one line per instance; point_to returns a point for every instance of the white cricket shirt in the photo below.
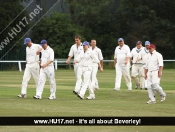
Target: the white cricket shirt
pixel 97 52
pixel 121 54
pixel 75 50
pixel 31 55
pixel 87 58
pixel 154 61
pixel 135 54
pixel 47 55
pixel 144 55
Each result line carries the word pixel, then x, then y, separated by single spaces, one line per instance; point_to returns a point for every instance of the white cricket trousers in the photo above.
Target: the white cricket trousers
pixel 76 65
pixel 144 75
pixel 78 75
pixel 94 81
pixel 138 70
pixel 125 71
pixel 30 70
pixel 44 73
pixel 153 82
pixel 78 84
pixel 86 71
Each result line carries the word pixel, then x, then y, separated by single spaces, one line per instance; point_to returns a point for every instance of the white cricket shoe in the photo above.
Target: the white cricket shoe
pixel 151 102
pixel 22 95
pixel 137 86
pixel 52 97
pixel 96 88
pixel 80 96
pixel 75 92
pixel 91 97
pixel 162 99
pixel 116 89
pixel 37 97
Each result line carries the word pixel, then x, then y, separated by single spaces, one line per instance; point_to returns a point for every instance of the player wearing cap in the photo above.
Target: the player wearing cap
pixel 153 73
pixel 75 50
pixel 47 70
pixel 86 60
pixel 137 66
pixel 32 65
pixel 143 56
pixel 98 53
pixel 122 64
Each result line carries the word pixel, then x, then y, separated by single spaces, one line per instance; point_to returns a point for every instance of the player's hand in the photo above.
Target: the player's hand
pixel 137 60
pixel 145 76
pixel 159 74
pixel 67 61
pixel 38 52
pixel 126 62
pixel 43 66
pixel 75 62
pixel 101 69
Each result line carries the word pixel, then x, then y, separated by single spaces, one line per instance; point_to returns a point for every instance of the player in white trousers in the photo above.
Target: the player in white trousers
pixel 47 70
pixel 86 64
pixel 143 56
pixel 137 72
pixel 98 53
pixel 122 64
pixel 75 50
pixel 153 73
pixel 32 65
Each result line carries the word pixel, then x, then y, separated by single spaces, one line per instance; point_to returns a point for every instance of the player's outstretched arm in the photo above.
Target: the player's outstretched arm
pixel 68 60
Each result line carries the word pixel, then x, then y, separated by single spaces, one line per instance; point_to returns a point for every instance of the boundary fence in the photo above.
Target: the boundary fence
pixel 57 62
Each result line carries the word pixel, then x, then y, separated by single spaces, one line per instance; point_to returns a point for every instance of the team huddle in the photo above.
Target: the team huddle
pixel 147 66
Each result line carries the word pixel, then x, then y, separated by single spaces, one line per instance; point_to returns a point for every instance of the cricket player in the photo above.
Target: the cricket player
pixel 47 70
pixel 86 60
pixel 32 65
pixel 98 53
pixel 153 73
pixel 75 50
pixel 143 56
pixel 137 66
pixel 122 64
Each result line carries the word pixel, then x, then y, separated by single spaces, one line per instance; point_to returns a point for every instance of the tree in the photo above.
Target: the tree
pixel 59 31
pixel 11 27
pixel 150 20
pixel 82 11
pixel 98 22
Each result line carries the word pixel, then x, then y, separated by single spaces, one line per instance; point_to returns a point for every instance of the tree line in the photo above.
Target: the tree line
pixel 103 20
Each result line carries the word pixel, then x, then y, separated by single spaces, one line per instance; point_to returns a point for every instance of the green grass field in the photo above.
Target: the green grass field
pixel 107 102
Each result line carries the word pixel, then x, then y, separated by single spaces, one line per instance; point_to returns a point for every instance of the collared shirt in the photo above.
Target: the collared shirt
pixel 47 55
pixel 135 53
pixel 75 50
pixel 155 60
pixel 97 52
pixel 143 55
pixel 121 54
pixel 87 58
pixel 31 55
